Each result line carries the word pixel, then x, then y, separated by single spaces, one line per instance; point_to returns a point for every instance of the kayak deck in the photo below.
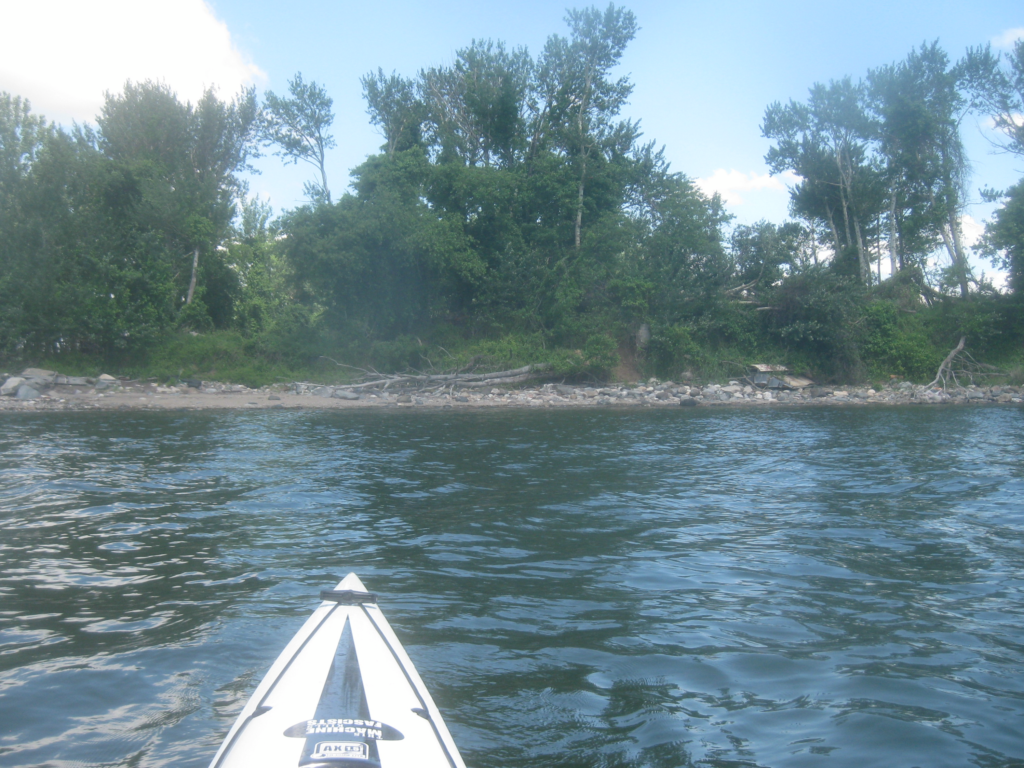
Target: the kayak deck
pixel 342 693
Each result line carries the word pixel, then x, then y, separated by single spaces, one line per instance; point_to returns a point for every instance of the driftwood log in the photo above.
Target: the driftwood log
pixel 452 379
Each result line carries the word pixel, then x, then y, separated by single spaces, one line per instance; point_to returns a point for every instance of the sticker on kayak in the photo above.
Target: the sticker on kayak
pixel 342 711
pixel 362 729
pixel 340 750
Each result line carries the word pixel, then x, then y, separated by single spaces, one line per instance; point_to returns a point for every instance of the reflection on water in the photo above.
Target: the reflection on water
pixel 826 587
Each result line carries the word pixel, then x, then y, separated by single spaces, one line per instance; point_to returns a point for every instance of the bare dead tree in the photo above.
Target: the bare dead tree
pixel 961 365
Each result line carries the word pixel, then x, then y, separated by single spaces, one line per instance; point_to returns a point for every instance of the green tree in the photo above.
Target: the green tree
pixel 475 109
pixel 998 91
pixel 827 142
pixel 22 137
pixel 379 261
pixel 394 107
pixel 765 253
pixel 920 104
pixel 581 98
pixel 300 126
pixel 184 160
pixel 1004 237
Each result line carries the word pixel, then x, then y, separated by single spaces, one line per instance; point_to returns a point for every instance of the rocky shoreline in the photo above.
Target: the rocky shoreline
pixel 39 390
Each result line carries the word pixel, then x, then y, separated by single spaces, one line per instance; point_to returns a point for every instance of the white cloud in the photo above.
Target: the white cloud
pixel 62 55
pixel 1007 38
pixel 729 184
pixel 971 230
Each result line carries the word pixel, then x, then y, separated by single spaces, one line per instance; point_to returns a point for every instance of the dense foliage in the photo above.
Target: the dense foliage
pixel 512 215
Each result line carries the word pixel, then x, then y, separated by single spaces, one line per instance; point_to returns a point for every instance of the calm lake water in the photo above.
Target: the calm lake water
pixel 823 587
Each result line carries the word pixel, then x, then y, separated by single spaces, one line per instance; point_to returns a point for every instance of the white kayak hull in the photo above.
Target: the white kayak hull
pixel 342 694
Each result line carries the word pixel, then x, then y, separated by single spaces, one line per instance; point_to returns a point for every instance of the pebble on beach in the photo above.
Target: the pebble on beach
pixel 37 389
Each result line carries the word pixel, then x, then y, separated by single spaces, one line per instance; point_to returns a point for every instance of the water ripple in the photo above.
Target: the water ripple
pixel 838 588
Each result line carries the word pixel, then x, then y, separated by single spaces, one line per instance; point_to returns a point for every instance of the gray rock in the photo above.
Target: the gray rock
pixel 26 392
pixel 77 381
pixel 404 399
pixel 10 386
pixel 274 397
pixel 41 383
pixel 461 399
pixel 663 395
pixel 323 391
pixel 48 377
pixel 345 394
pixel 819 392
pixel 562 389
pixel 686 401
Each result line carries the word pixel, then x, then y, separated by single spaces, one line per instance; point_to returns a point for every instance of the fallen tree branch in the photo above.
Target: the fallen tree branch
pixel 946 369
pixel 740 288
pixel 370 372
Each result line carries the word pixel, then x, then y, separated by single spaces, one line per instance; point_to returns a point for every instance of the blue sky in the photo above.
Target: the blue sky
pixel 703 72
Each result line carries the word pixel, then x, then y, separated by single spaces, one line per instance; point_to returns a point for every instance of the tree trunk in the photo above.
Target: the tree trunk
pixel 893 266
pixel 579 203
pixel 192 283
pixel 835 232
pixel 951 240
pixel 323 180
pixel 958 250
pixel 862 257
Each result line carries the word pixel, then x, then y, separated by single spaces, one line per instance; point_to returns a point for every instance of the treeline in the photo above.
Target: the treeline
pixel 512 207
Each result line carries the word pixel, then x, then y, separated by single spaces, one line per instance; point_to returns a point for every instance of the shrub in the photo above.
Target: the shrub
pixel 895 343
pixel 672 350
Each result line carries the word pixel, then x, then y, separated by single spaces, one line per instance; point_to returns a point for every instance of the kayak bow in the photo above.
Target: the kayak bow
pixel 342 693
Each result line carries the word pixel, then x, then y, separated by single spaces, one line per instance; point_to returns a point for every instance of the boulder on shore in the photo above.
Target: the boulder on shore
pixel 27 392
pixel 10 387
